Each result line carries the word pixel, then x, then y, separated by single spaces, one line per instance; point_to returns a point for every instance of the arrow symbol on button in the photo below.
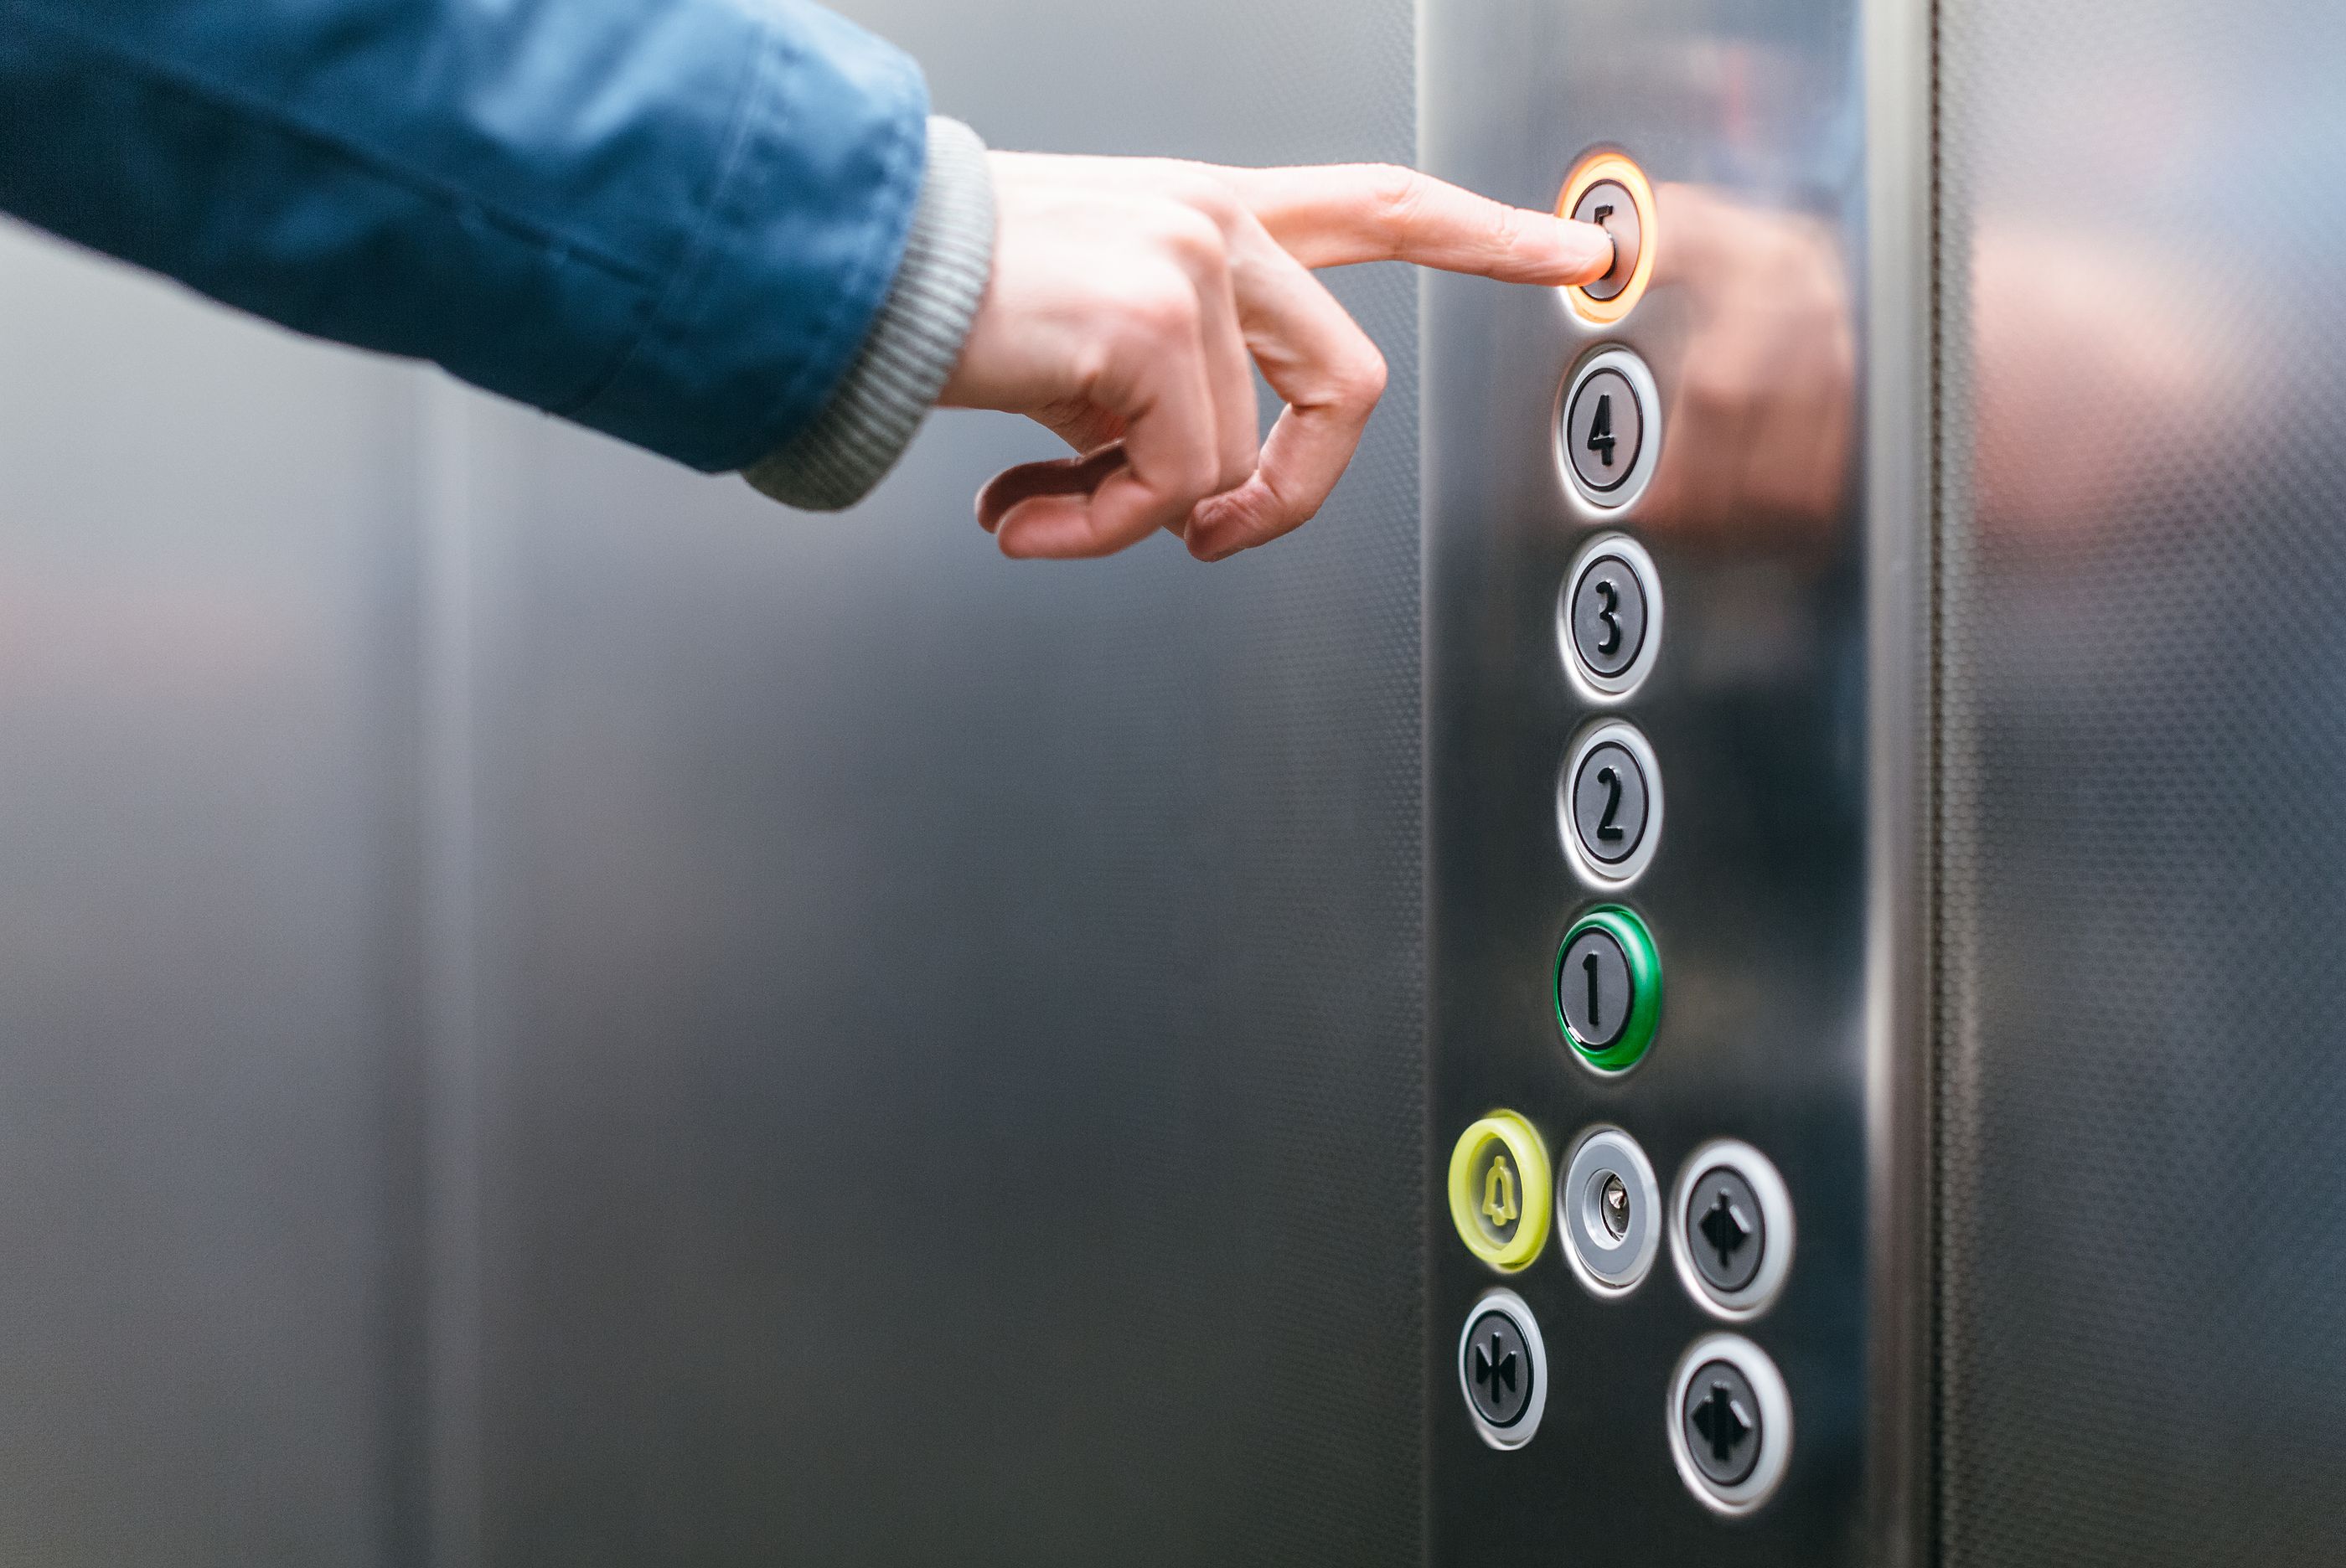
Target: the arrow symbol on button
pixel 1723 1423
pixel 1495 1366
pixel 1726 1229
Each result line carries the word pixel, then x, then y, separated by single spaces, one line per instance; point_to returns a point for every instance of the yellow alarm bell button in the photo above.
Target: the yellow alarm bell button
pixel 1501 1190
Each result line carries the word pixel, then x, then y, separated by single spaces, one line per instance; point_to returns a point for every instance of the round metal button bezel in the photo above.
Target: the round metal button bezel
pixel 1775 1423
pixel 1767 1183
pixel 1598 169
pixel 1607 1269
pixel 1522 1429
pixel 1631 368
pixel 1609 875
pixel 1591 684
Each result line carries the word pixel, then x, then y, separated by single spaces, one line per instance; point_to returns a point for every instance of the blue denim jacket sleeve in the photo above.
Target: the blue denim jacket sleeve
pixel 673 221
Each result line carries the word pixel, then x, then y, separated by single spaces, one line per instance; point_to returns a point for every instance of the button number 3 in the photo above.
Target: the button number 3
pixel 1611 643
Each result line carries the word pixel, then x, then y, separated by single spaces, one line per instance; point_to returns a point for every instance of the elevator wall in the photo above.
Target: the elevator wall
pixel 554 1011
pixel 2142 1195
pixel 950 1031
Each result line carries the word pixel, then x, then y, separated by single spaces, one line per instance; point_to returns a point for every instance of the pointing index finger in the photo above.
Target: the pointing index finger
pixel 1335 214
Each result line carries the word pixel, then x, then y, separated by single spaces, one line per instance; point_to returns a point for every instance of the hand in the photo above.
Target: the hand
pixel 1132 300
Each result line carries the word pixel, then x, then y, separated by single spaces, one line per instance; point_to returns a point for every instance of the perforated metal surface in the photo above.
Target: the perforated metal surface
pixel 2142 859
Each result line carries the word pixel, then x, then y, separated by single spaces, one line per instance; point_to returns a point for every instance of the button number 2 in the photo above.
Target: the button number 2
pixel 1607 831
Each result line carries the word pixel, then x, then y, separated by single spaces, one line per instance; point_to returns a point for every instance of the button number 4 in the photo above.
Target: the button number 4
pixel 1601 439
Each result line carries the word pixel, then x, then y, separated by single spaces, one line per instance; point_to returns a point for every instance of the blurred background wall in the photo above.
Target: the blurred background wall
pixel 556 1013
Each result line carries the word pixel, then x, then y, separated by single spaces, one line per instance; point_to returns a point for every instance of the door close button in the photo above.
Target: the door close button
pixel 1502 1370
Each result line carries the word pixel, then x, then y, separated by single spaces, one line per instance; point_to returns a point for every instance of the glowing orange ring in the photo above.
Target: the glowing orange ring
pixel 1612 165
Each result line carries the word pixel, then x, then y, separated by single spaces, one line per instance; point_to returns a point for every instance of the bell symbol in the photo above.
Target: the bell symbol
pixel 1499 1193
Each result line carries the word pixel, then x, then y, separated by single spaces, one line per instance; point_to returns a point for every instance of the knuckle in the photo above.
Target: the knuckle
pixel 1397 193
pixel 1201 191
pixel 1359 379
pixel 1195 238
pixel 1162 307
pixel 1506 227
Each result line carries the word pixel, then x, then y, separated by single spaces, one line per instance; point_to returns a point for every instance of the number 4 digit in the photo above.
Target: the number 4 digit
pixel 1600 429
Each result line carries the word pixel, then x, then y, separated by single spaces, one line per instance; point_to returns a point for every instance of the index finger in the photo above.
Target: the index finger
pixel 1334 215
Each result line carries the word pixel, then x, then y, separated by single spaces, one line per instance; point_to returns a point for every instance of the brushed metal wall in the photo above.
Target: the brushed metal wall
pixel 950 1031
pixel 556 1013
pixel 1775 712
pixel 210 1107
pixel 2142 1190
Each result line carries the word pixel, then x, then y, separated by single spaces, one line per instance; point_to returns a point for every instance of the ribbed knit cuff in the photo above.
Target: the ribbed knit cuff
pixel 915 343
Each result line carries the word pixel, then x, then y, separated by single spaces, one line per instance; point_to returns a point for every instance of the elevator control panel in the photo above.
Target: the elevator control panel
pixel 1632 941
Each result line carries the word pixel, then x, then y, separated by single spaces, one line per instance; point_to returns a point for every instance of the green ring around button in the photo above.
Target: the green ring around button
pixel 1644 985
pixel 1535 1202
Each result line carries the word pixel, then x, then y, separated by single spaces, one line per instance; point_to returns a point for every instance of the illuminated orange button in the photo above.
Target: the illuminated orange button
pixel 1610 191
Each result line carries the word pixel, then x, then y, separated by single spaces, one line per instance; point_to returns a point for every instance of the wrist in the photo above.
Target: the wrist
pixel 915 341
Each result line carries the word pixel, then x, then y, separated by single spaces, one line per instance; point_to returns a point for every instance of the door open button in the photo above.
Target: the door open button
pixel 1731 1235
pixel 1731 1420
pixel 1731 1228
pixel 1722 1417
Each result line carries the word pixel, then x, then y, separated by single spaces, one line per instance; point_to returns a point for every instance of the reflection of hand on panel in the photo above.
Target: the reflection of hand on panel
pixel 1761 414
pixel 2088 382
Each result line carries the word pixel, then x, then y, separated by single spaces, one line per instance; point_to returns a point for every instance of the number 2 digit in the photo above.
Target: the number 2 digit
pixel 1606 830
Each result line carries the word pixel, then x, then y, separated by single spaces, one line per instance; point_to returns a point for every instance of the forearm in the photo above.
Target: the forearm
pixel 676 223
pixel 913 343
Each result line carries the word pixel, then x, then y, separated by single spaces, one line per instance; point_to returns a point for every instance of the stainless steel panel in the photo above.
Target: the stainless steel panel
pixel 210 1308
pixel 2143 1190
pixel 1783 704
pixel 951 1032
